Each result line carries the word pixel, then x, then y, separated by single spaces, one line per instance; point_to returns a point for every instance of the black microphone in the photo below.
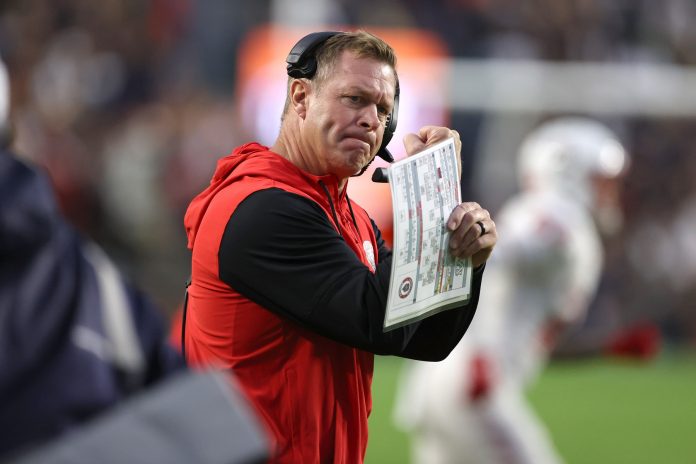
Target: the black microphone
pixel 380 175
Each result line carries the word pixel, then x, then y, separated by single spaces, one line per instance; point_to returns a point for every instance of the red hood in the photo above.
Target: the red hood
pixel 254 160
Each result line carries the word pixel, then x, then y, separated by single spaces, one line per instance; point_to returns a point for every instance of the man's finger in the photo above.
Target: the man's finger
pixel 460 211
pixel 434 134
pixel 413 144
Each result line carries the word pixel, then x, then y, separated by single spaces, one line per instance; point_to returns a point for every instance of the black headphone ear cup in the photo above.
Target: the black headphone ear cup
pixel 390 128
pixel 301 60
pixel 305 68
pixel 388 131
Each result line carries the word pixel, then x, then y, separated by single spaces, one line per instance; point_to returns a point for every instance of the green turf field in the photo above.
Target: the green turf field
pixel 598 411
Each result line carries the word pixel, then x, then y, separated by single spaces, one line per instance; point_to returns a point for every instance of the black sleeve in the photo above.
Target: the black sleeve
pixel 280 250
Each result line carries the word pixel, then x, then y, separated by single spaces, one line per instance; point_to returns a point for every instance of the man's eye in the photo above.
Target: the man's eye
pixel 382 110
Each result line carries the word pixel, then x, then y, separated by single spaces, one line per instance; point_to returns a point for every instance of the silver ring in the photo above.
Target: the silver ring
pixel 483 228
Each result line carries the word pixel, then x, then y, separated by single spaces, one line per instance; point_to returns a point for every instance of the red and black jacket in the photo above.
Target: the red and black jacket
pixel 285 294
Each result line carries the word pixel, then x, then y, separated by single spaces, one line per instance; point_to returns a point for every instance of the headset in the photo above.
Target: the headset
pixel 302 63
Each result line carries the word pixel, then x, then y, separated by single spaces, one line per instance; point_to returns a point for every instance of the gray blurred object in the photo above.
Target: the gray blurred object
pixel 192 417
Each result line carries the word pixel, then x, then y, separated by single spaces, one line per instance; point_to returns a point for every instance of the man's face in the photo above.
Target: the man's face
pixel 346 115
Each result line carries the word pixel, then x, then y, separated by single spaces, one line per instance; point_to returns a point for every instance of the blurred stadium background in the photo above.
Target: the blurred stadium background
pixel 128 103
pixel 597 410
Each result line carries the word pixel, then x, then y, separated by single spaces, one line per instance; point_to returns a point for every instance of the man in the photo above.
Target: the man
pixel 86 373
pixel 76 337
pixel 286 289
pixel 471 408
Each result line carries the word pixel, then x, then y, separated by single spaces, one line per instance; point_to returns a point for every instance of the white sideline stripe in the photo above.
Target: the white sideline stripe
pixel 90 340
pixel 117 319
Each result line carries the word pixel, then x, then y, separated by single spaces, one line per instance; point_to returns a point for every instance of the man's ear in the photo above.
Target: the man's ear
pixel 299 90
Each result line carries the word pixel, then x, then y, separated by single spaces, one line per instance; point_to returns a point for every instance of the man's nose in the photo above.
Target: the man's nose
pixel 369 117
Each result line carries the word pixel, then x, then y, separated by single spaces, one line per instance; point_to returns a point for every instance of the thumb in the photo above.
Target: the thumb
pixel 413 144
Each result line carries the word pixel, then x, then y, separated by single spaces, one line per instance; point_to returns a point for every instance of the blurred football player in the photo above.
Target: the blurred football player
pixel 471 407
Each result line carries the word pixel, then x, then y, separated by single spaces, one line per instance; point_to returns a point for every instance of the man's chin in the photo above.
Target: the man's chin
pixel 364 165
pixel 357 161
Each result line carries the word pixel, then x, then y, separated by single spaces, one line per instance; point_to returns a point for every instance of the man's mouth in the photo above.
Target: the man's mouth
pixel 362 141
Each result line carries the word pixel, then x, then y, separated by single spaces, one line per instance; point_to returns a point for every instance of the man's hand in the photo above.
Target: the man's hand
pixel 431 135
pixel 480 378
pixel 473 231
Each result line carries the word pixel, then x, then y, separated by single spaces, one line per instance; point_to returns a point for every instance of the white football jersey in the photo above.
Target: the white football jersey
pixel 545 267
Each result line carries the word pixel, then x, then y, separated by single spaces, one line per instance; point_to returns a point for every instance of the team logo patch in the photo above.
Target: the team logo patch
pixel 370 254
pixel 405 287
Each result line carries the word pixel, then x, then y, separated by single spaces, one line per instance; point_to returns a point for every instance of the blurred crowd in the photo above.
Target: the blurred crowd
pixel 128 103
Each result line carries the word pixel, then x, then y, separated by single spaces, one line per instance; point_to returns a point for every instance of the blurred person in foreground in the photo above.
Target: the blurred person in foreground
pixel 471 408
pixel 290 277
pixel 76 337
